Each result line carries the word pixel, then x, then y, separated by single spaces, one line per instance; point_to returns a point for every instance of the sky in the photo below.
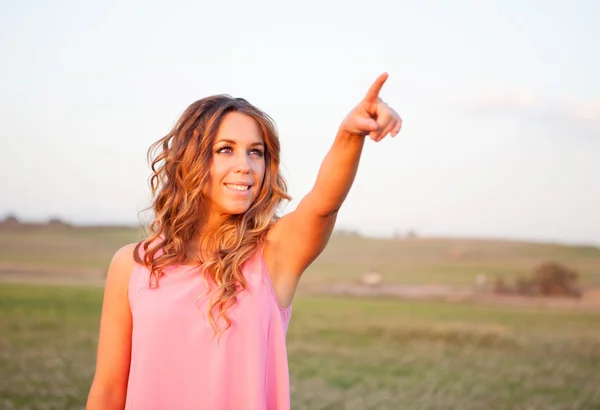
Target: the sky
pixel 500 102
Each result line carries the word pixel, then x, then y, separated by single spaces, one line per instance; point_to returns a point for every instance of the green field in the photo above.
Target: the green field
pixel 344 352
pixel 78 252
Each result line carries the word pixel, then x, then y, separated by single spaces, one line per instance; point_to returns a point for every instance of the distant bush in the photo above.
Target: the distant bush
pixel 10 219
pixel 347 232
pixel 500 286
pixel 552 278
pixel 58 222
pixel 411 234
pixel 548 279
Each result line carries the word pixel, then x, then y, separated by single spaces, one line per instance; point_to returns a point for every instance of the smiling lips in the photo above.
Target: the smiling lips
pixel 238 187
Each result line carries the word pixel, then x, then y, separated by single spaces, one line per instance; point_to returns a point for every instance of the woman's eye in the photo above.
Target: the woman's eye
pixel 224 150
pixel 228 150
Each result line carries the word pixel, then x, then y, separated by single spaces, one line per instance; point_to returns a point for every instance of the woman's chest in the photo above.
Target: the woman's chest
pixel 185 305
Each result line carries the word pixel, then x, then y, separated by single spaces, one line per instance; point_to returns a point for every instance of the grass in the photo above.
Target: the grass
pixel 344 353
pixel 446 260
pixel 409 261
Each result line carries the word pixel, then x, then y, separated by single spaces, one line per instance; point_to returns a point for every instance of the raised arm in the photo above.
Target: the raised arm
pixel 299 237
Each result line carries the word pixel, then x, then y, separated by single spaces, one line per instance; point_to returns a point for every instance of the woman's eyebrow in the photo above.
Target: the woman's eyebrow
pixel 226 140
pixel 232 142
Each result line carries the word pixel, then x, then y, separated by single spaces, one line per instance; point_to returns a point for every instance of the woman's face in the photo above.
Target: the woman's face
pixel 237 167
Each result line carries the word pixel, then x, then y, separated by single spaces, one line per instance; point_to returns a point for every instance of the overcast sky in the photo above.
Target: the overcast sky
pixel 500 102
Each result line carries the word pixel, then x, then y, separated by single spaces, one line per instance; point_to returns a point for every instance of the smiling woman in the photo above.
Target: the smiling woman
pixel 195 315
pixel 238 166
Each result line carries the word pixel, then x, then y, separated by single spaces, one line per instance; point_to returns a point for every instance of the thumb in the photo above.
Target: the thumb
pixel 366 124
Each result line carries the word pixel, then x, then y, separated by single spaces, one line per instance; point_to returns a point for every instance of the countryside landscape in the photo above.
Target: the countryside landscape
pixel 455 143
pixel 432 332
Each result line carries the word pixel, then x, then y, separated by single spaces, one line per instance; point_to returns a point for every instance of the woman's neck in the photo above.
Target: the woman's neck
pixel 199 248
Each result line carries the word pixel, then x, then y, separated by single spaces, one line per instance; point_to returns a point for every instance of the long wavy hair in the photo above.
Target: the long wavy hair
pixel 180 164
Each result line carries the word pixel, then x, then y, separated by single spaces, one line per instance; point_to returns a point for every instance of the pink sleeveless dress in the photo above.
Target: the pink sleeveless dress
pixel 177 364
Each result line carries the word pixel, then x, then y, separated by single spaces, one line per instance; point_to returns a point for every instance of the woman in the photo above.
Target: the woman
pixel 195 316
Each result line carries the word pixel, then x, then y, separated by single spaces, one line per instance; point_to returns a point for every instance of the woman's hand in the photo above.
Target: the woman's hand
pixel 372 116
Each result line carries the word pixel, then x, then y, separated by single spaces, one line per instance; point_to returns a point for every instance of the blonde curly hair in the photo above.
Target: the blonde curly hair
pixel 180 164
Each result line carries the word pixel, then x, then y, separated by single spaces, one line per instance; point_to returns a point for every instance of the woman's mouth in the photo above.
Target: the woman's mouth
pixel 238 187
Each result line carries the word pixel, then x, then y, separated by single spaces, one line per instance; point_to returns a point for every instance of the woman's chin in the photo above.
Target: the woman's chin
pixel 237 210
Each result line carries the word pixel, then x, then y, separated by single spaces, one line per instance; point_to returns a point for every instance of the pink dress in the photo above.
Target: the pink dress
pixel 176 364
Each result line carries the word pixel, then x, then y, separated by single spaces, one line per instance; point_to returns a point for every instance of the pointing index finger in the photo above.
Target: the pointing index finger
pixel 373 92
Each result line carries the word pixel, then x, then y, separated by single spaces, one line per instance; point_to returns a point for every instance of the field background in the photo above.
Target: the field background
pixel 404 350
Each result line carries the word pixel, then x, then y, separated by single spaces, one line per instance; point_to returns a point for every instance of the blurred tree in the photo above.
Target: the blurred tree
pixel 554 279
pixel 411 234
pixel 58 222
pixel 548 279
pixel 10 220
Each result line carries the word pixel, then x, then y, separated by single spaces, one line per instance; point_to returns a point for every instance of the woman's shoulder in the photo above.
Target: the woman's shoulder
pixel 125 254
pixel 122 265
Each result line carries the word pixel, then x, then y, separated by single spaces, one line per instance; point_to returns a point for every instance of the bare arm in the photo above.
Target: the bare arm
pixel 299 237
pixel 109 388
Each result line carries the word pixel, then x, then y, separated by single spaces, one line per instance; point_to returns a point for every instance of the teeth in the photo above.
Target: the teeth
pixel 238 187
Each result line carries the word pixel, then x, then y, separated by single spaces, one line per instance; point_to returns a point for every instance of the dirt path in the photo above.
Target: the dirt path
pixel 589 301
pixel 50 281
pixel 24 269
